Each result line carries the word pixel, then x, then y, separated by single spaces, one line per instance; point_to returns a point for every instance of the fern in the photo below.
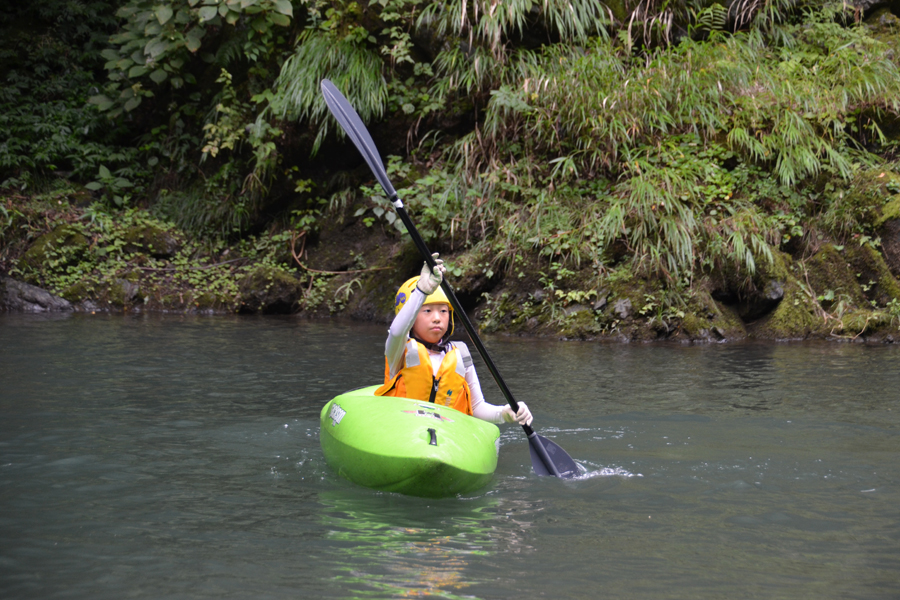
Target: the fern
pixel 354 69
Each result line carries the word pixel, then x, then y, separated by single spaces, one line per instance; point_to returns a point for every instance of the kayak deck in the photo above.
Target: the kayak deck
pixel 407 446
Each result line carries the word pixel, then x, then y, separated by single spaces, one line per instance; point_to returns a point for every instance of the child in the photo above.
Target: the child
pixel 419 364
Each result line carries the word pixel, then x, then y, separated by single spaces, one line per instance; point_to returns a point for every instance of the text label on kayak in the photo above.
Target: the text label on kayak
pixel 337 413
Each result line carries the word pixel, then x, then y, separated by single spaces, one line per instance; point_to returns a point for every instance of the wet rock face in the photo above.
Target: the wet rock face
pixel 17 296
pixel 270 291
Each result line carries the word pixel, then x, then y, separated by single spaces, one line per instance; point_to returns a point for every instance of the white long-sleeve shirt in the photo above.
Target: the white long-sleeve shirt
pixel 398 334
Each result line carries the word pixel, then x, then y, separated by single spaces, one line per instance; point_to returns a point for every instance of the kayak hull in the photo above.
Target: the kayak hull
pixel 407 446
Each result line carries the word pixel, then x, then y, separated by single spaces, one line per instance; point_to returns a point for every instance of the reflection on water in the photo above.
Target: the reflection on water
pixel 178 457
pixel 388 551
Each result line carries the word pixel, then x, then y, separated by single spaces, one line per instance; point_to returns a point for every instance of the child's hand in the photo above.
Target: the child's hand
pixel 523 417
pixel 430 279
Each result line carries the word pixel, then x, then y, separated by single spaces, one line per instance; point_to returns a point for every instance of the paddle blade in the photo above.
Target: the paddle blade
pixel 557 457
pixel 356 130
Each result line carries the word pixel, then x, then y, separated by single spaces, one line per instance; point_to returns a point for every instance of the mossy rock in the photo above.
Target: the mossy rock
pixel 890 211
pixel 875 278
pixel 580 323
pixel 167 301
pixel 865 204
pixel 797 315
pixel 270 290
pixel 626 296
pixel 863 325
pixel 65 245
pixel 709 321
pixel 508 311
pixel 750 295
pixel 373 300
pixel 829 271
pixel 342 245
pixel 152 240
pixel 884 26
pixel 474 274
pixel 779 269
pixel 78 292
pixel 122 292
pixel 213 302
pixel 888 228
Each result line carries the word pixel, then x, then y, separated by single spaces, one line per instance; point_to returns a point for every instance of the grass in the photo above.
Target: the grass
pixel 700 156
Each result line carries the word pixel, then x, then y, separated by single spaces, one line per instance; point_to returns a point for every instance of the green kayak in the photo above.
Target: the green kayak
pixel 407 446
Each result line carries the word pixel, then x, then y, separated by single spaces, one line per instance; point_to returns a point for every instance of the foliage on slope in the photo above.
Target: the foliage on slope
pixel 683 144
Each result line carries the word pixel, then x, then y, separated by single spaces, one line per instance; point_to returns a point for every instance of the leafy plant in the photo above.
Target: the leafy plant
pixel 49 52
pixel 113 187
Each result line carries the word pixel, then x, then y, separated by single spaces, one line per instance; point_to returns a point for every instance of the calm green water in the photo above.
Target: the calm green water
pixel 168 457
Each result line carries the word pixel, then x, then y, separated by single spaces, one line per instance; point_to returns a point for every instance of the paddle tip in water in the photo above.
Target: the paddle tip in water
pixel 547 458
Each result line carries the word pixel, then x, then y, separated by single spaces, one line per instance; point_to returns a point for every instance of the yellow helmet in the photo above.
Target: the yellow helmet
pixel 438 297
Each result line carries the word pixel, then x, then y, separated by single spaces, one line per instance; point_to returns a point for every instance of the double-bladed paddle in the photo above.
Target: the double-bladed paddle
pixel 547 458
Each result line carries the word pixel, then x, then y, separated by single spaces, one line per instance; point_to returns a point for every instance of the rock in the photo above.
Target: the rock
pixel 123 292
pixel 88 306
pixel 622 308
pixel 774 291
pixel 881 20
pixel 794 319
pixel 148 239
pixel 575 308
pixel 875 278
pixel 890 245
pixel 77 292
pixel 753 306
pixel 795 315
pixel 580 324
pixel 829 271
pixel 774 305
pixel 707 320
pixel 270 290
pixel 64 245
pixel 888 226
pixel 23 297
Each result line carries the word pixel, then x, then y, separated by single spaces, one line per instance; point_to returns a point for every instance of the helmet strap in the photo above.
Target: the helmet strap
pixel 441 346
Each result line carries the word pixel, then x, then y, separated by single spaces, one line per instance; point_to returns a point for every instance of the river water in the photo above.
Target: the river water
pixel 178 457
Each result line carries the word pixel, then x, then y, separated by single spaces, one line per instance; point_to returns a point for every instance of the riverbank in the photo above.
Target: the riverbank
pixel 743 183
pixel 78 258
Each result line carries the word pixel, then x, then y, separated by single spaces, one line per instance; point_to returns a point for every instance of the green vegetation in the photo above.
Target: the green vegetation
pixel 589 169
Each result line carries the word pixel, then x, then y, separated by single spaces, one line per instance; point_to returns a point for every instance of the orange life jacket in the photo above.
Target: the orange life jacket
pixel 417 379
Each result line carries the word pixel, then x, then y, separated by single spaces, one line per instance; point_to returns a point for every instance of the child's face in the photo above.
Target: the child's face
pixel 432 322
